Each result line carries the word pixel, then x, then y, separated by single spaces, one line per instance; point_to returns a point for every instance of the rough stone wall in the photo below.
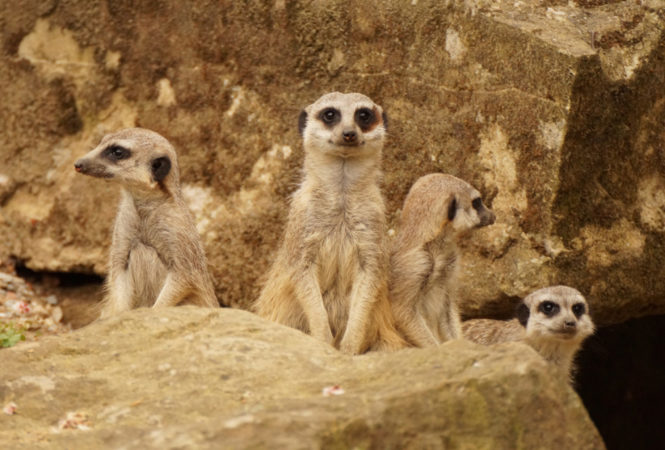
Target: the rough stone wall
pixel 552 109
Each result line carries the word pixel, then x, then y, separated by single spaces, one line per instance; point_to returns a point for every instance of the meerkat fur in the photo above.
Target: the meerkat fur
pixel 438 209
pixel 554 321
pixel 329 278
pixel 156 257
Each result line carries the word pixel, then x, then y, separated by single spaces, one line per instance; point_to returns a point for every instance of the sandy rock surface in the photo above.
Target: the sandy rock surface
pixel 190 377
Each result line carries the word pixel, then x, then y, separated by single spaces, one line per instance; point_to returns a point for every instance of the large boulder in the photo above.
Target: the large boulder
pixel 552 109
pixel 195 378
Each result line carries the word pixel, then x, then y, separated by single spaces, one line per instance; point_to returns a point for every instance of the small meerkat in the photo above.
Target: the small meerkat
pixel 329 278
pixel 553 320
pixel 156 256
pixel 438 210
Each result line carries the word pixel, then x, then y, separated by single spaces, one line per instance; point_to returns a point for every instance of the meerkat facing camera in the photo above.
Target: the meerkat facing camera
pixel 438 209
pixel 329 278
pixel 553 320
pixel 156 256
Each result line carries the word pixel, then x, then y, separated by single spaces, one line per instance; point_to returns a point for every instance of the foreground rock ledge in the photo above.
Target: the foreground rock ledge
pixel 190 377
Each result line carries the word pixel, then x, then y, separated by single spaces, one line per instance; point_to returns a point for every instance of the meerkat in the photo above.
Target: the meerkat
pixel 329 278
pixel 438 210
pixel 156 256
pixel 553 320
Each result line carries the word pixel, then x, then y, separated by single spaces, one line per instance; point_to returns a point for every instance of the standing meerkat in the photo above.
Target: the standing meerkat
pixel 156 255
pixel 424 258
pixel 329 278
pixel 553 320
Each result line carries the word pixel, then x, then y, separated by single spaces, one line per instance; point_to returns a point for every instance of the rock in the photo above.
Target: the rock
pixel 191 377
pixel 552 109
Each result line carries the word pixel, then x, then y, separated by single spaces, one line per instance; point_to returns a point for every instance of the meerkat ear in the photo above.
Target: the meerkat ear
pixel 523 314
pixel 160 168
pixel 384 116
pixel 302 121
pixel 452 209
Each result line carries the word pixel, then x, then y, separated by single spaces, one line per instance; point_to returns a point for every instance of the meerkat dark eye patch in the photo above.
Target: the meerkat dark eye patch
pixel 548 308
pixel 579 309
pixel 302 121
pixel 160 167
pixel 452 209
pixel 365 118
pixel 523 314
pixel 116 153
pixel 477 204
pixel 330 116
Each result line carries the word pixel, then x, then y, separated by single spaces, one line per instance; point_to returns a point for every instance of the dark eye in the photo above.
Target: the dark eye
pixel 116 153
pixel 548 308
pixel 579 309
pixel 329 116
pixel 477 203
pixel 365 117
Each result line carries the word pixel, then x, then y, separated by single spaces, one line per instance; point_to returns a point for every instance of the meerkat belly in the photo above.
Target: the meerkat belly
pixel 337 268
pixel 147 273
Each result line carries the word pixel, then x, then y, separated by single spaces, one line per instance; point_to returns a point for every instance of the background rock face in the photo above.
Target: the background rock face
pixel 552 109
pixel 194 378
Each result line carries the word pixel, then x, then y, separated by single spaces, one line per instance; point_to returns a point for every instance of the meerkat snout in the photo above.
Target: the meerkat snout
pixel 337 122
pixel 558 312
pixel 139 164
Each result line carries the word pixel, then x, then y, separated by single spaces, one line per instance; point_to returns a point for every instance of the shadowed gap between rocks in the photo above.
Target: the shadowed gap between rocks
pixel 620 380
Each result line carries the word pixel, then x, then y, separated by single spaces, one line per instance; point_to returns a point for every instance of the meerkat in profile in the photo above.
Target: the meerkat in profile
pixel 156 255
pixel 329 278
pixel 553 320
pixel 437 211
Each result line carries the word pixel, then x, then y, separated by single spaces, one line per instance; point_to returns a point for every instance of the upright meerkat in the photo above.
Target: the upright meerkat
pixel 424 258
pixel 329 278
pixel 156 255
pixel 553 320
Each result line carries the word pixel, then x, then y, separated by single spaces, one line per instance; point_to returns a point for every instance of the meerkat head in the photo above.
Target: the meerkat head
pixel 344 125
pixel 439 203
pixel 558 313
pixel 141 160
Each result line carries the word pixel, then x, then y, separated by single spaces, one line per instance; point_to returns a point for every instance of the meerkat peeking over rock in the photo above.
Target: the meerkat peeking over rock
pixel 553 320
pixel 438 209
pixel 156 255
pixel 329 278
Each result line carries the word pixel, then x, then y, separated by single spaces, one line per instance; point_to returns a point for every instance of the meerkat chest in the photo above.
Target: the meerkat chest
pixel 444 261
pixel 345 236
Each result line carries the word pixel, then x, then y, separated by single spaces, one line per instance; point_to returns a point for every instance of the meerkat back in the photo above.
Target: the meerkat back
pixel 424 258
pixel 156 256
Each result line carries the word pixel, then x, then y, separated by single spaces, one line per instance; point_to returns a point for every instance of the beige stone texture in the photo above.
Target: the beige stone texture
pixel 195 378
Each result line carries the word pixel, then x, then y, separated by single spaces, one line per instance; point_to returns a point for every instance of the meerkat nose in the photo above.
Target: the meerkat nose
pixel 78 166
pixel 570 324
pixel 350 136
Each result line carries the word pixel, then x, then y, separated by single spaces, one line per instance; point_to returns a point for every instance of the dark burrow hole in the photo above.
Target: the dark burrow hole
pixel 78 294
pixel 621 380
pixel 61 279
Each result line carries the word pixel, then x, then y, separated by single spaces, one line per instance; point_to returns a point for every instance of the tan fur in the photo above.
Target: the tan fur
pixel 156 256
pixel 557 338
pixel 424 257
pixel 329 276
